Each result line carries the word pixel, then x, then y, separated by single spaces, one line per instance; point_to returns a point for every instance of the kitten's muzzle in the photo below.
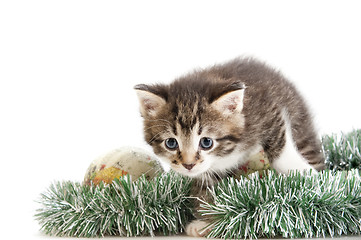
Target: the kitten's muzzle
pixel 188 166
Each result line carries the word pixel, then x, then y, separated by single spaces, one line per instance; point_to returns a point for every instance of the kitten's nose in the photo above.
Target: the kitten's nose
pixel 188 166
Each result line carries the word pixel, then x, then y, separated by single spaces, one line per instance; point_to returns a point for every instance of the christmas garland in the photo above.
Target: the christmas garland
pixel 292 206
pixel 343 151
pixel 123 208
pixel 327 204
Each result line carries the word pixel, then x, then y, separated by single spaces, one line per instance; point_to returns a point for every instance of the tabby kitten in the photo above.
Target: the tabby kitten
pixel 208 122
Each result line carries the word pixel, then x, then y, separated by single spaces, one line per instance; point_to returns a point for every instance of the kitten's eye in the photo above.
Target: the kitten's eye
pixel 171 143
pixel 206 143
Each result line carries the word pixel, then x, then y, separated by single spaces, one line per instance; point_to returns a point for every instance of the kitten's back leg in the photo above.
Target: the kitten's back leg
pixel 285 154
pixel 310 147
pixel 290 158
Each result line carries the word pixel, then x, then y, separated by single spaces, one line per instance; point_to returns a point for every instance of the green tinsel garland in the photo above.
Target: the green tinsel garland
pixel 343 151
pixel 326 204
pixel 293 206
pixel 123 208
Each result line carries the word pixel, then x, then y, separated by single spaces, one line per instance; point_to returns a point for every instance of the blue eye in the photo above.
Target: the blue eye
pixel 206 143
pixel 171 143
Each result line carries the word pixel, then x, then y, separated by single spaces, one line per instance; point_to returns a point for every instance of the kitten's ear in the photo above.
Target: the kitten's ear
pixel 231 102
pixel 150 103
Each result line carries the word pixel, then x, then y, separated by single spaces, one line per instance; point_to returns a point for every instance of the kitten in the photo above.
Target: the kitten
pixel 208 122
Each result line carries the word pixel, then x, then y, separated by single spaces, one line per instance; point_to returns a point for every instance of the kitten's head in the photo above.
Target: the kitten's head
pixel 194 123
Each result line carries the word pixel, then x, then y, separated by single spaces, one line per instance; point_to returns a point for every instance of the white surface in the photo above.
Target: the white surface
pixel 193 238
pixel 67 69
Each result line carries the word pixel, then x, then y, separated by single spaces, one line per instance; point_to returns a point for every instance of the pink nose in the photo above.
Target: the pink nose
pixel 188 166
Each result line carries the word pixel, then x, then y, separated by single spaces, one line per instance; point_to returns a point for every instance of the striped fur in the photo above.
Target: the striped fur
pixel 242 105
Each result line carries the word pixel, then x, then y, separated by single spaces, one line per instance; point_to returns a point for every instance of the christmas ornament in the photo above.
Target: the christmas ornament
pixel 120 162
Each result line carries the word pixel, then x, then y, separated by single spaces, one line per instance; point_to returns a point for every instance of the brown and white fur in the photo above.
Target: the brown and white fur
pixel 243 106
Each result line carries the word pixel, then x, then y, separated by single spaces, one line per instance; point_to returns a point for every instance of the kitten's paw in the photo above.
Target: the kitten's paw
pixel 197 228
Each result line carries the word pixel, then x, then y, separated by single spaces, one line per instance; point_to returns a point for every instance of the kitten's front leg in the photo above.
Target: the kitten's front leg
pixel 197 228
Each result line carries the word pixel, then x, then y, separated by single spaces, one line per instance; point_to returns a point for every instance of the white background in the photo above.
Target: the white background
pixel 67 69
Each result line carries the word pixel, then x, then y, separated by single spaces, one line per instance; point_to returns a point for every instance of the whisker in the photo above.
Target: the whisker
pixel 232 173
pixel 217 174
pixel 202 177
pixel 208 179
pixel 155 126
pixel 211 180
pixel 159 119
pixel 204 180
pixel 212 171
pixel 155 136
